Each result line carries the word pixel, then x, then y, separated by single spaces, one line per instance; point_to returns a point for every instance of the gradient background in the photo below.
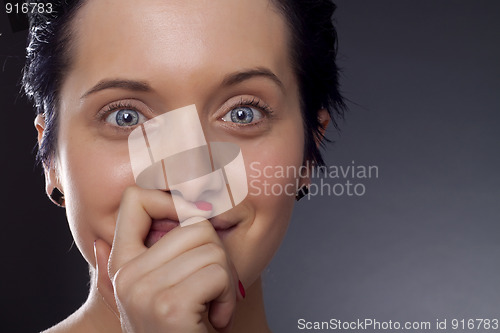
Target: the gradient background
pixel 423 81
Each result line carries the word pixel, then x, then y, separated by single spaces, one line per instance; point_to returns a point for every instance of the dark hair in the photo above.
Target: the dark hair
pixel 313 54
pixel 47 61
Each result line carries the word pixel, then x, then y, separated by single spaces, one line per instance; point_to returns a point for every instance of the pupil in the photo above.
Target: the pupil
pixel 127 117
pixel 241 115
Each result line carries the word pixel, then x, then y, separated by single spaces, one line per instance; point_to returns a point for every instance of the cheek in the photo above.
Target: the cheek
pixel 272 183
pixel 271 211
pixel 94 176
pixel 273 166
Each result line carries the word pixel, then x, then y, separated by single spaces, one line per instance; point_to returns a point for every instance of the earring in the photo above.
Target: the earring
pixel 302 192
pixel 57 197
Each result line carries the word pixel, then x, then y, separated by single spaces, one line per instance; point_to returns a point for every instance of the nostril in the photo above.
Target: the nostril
pixel 175 193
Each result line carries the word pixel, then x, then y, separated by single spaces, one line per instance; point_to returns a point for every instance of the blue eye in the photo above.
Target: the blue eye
pixel 125 117
pixel 243 115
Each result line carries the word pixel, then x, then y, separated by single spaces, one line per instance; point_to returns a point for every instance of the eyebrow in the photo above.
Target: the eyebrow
pixel 238 77
pixel 120 84
pixel 229 80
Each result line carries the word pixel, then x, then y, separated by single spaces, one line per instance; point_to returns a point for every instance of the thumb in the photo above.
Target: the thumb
pixel 102 251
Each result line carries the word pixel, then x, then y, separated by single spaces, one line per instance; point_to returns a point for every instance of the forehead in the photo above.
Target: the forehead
pixel 165 39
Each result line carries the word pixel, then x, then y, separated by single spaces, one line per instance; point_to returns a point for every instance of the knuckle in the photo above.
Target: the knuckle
pixel 133 296
pixel 216 252
pixel 122 282
pixel 167 306
pixel 131 193
pixel 138 296
pixel 219 272
pixel 203 226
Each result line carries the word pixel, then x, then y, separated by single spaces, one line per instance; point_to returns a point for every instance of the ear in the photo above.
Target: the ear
pixel 324 120
pixel 53 187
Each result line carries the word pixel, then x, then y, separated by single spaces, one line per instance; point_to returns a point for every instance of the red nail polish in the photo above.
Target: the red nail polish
pixel 242 290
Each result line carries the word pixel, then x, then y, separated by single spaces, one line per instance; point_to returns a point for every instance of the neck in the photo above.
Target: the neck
pixel 96 316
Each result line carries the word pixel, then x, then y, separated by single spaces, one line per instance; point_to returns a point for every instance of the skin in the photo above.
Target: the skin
pixel 184 51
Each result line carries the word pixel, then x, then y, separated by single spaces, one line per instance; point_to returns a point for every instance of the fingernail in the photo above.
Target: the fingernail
pixel 242 290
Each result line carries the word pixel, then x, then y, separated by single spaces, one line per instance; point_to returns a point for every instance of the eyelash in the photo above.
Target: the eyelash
pixel 248 101
pixel 116 106
pixel 244 101
pixel 254 101
pixel 119 106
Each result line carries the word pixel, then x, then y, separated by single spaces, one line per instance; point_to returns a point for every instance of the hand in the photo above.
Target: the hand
pixel 170 286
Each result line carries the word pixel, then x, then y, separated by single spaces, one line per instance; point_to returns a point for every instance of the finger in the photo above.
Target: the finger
pixel 182 239
pixel 138 207
pixel 104 285
pixel 181 267
pixel 211 284
pixel 240 295
pixel 174 244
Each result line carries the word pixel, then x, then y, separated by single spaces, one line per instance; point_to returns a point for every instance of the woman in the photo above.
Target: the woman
pixel 261 74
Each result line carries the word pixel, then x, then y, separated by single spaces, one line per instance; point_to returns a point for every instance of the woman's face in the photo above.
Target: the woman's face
pixel 166 55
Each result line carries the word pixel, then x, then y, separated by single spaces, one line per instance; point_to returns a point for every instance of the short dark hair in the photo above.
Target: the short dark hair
pixel 47 61
pixel 313 50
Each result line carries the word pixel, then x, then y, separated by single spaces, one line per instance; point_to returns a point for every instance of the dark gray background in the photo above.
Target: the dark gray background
pixel 423 80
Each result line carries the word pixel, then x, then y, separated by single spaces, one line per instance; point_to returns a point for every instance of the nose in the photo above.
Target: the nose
pixel 161 138
pixel 198 188
pixel 192 175
pixel 170 152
